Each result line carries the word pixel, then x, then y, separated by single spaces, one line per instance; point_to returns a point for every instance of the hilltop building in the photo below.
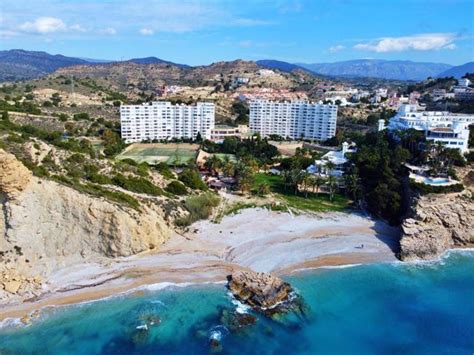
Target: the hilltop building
pixel 295 119
pixel 161 120
pixel 452 130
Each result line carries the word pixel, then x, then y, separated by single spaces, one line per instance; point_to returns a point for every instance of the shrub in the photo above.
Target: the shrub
pixel 192 179
pixel 199 207
pixel 137 184
pixel 176 188
pixel 429 189
pixel 164 170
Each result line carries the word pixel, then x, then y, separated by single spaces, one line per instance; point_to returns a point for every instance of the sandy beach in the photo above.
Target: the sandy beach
pixel 258 239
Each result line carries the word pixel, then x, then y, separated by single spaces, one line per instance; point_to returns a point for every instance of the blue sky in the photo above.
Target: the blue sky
pixel 202 32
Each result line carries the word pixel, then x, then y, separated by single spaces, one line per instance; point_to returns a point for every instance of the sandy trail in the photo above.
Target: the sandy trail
pixel 255 238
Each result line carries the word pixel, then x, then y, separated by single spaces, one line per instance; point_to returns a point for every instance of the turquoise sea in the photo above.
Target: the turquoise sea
pixel 425 308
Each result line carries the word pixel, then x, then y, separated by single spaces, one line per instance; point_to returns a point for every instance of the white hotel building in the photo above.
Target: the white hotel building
pixel 162 120
pixel 293 119
pixel 450 129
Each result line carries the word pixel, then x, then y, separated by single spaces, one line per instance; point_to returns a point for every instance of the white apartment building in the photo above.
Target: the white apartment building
pixel 162 120
pixel 293 119
pixel 452 130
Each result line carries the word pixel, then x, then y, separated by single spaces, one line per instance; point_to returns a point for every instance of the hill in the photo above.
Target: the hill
pixel 155 60
pixel 279 65
pixel 18 64
pixel 386 69
pixel 458 71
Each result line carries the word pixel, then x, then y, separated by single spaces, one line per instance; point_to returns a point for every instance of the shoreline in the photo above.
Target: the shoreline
pixel 277 243
pixel 14 315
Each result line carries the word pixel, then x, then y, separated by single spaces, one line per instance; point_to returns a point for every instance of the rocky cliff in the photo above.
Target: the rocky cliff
pixel 438 222
pixel 45 225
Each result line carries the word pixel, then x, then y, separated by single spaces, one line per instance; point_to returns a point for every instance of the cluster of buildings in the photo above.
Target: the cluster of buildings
pixel 161 120
pixel 449 129
pixel 249 94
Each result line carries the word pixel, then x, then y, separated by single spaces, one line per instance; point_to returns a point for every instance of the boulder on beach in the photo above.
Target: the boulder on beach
pixel 262 291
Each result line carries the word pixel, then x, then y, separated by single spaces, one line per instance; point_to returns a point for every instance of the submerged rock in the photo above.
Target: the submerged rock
pixel 263 292
pixel 235 321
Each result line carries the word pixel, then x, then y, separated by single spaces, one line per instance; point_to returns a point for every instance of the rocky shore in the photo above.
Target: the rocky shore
pixel 438 222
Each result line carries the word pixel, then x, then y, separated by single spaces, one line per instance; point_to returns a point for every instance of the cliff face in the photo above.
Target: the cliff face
pixel 439 222
pixel 45 225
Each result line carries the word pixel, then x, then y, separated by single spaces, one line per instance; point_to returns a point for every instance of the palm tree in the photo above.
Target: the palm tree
pixel 318 182
pixel 228 167
pixel 330 167
pixel 295 178
pixel 306 179
pixel 213 164
pixel 332 185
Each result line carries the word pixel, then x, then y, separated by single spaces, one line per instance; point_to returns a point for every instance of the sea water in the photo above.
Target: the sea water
pixel 398 308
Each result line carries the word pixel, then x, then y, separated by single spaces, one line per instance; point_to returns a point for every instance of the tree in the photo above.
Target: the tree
pixel 213 164
pixel 5 116
pixel 245 178
pixel 332 186
pixel 228 167
pixel 352 185
pixel 318 182
pixel 330 166
pixel 306 179
pixel 198 137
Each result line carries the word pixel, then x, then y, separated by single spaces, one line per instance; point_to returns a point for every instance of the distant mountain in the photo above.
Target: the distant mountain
pixel 376 68
pixel 155 60
pixel 277 64
pixel 458 71
pixel 18 64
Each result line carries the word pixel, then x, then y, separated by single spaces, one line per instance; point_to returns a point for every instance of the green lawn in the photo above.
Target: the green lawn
pixel 314 202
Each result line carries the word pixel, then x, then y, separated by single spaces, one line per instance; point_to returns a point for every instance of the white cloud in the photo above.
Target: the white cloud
pixel 44 25
pixel 146 31
pixel 108 31
pixel 420 42
pixel 77 28
pixel 336 48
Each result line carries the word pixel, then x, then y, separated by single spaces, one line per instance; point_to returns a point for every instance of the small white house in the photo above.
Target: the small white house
pixel 337 158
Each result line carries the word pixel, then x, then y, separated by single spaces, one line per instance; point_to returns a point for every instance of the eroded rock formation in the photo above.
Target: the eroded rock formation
pixel 438 222
pixel 262 291
pixel 45 225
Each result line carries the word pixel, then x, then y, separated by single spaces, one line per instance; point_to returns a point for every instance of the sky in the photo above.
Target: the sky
pixel 203 32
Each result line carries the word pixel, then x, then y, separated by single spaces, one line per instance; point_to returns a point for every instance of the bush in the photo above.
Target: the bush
pixel 199 207
pixel 82 116
pixel 137 184
pixel 164 170
pixel 176 188
pixel 429 189
pixel 192 179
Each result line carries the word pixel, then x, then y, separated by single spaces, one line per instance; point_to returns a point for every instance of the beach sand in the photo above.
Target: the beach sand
pixel 256 238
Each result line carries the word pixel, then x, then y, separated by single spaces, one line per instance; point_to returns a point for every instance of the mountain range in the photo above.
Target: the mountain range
pixel 377 68
pixel 18 64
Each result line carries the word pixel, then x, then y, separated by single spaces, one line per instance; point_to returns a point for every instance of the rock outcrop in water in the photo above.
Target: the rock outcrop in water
pixel 438 222
pixel 45 225
pixel 262 291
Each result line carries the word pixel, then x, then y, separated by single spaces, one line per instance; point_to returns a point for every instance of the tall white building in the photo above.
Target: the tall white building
pixel 293 119
pixel 162 120
pixel 450 129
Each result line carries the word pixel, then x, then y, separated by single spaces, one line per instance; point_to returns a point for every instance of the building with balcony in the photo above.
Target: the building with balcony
pixel 160 120
pixel 449 129
pixel 293 119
